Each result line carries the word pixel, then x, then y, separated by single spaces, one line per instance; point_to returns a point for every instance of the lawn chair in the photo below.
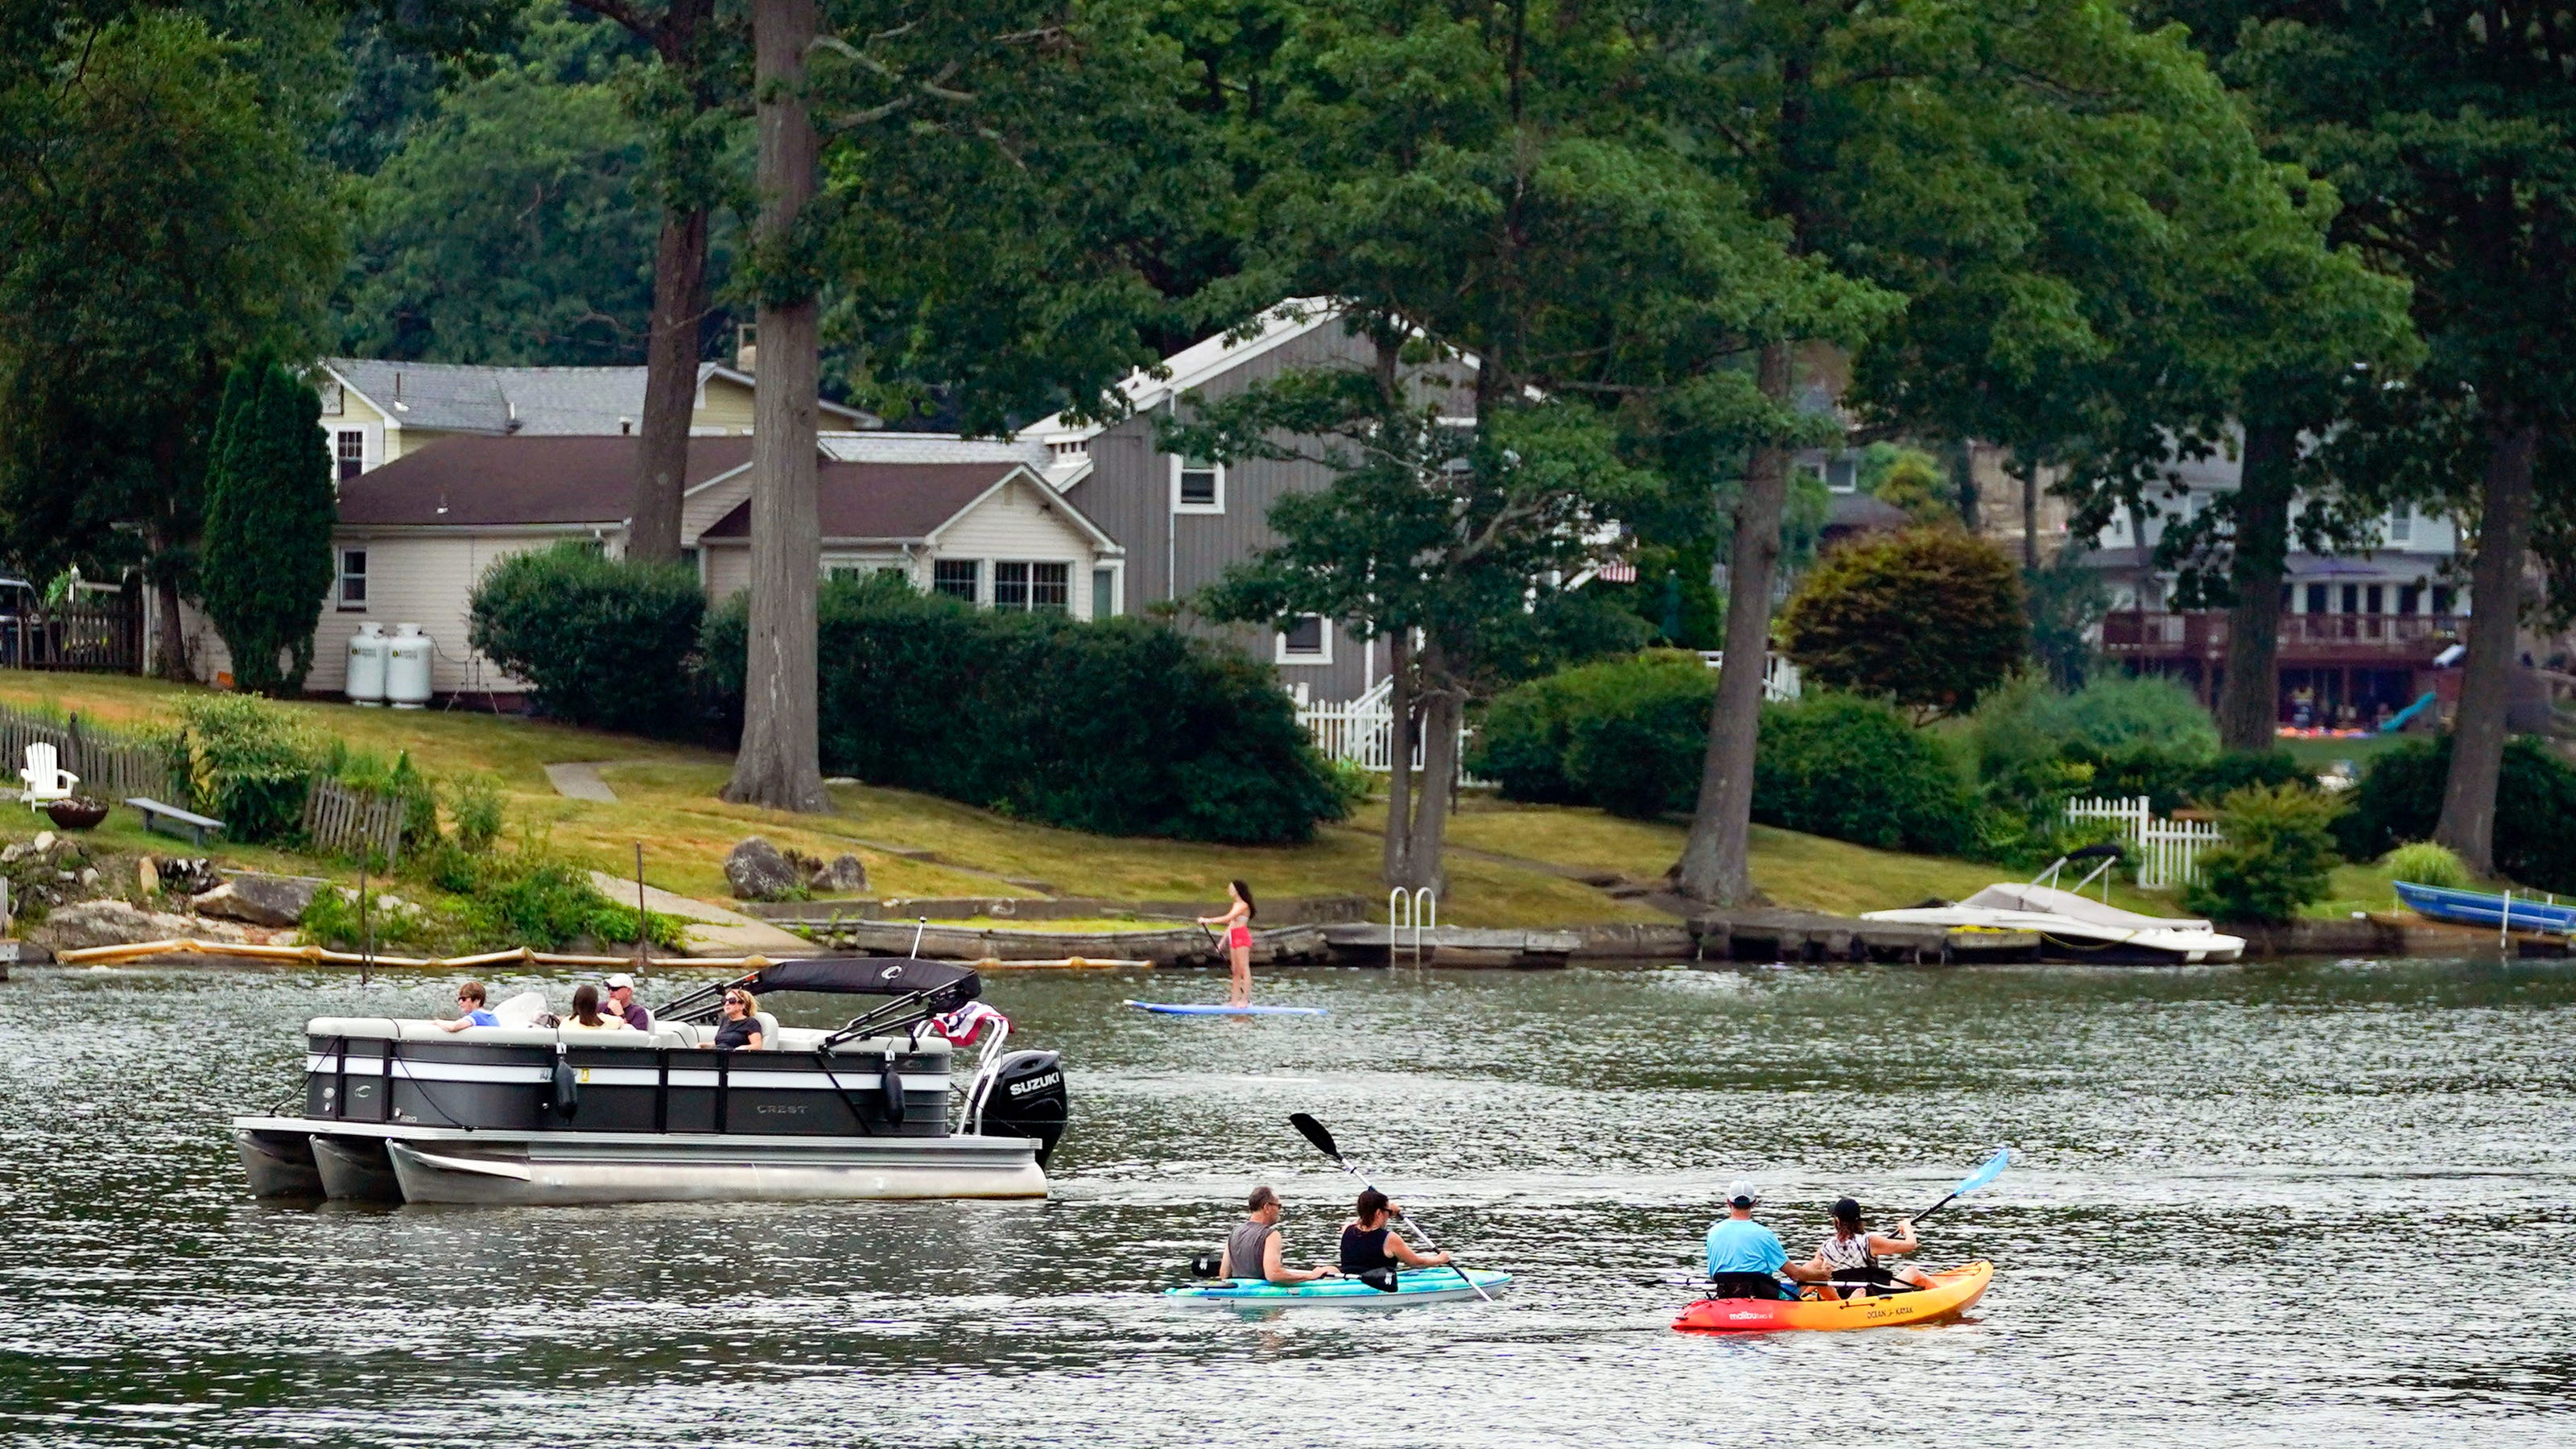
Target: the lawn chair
pixel 46 779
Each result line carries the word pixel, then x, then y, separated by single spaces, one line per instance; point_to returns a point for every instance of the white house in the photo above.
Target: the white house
pixel 416 535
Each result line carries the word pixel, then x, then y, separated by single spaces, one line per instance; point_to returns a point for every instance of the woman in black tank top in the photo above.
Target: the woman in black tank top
pixel 1370 1242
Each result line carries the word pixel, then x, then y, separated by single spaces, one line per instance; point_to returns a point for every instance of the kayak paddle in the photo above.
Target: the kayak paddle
pixel 1993 1168
pixel 1316 1133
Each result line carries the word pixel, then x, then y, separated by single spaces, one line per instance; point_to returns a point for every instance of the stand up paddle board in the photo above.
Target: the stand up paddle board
pixel 1183 1008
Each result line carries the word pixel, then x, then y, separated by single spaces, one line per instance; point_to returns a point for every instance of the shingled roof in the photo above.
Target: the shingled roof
pixel 889 500
pixel 533 402
pixel 499 482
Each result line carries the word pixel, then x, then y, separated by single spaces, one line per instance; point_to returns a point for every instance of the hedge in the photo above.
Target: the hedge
pixel 2399 799
pixel 1631 736
pixel 606 642
pixel 1122 727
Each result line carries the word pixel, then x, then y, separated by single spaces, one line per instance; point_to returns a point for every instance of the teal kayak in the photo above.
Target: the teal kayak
pixel 1413 1285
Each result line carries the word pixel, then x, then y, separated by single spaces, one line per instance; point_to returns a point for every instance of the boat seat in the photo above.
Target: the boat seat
pixel 769 1032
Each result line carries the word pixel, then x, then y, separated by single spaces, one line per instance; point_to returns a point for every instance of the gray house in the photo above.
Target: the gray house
pixel 1182 520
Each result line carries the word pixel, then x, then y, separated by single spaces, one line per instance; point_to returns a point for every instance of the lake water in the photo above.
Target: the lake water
pixel 2284 1204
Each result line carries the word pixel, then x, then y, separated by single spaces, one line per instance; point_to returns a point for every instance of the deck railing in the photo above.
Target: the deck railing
pixel 2204 633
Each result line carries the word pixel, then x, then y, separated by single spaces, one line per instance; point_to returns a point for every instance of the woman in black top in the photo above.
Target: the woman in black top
pixel 1370 1241
pixel 741 1029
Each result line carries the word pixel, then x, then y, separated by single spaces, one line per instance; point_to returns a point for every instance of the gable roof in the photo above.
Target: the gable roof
pixel 1198 362
pixel 528 401
pixel 908 502
pixel 518 481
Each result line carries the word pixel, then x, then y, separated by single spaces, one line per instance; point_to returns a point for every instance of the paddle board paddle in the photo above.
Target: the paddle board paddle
pixel 1316 1133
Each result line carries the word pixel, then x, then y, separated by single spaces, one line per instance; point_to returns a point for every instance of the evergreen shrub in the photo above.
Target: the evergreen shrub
pixel 608 643
pixel 266 553
pixel 2279 855
pixel 1121 727
pixel 2424 863
pixel 1853 769
pixel 2400 799
pixel 2111 717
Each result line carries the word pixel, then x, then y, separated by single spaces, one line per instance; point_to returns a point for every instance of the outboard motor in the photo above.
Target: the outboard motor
pixel 1028 1099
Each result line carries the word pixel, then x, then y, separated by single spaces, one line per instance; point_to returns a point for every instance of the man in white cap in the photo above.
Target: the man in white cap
pixel 1743 1255
pixel 622 1002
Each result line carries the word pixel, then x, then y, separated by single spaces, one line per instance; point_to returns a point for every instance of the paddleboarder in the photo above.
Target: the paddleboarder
pixel 1743 1255
pixel 1237 921
pixel 1370 1241
pixel 1252 1250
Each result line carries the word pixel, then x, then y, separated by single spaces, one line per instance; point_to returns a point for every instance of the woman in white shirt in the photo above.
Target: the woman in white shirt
pixel 1849 1255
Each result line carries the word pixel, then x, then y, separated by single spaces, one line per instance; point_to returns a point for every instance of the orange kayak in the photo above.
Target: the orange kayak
pixel 1953 1291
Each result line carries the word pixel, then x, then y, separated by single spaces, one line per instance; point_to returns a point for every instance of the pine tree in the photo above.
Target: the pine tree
pixel 266 562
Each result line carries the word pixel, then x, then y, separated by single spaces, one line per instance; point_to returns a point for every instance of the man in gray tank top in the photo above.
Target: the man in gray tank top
pixel 1252 1249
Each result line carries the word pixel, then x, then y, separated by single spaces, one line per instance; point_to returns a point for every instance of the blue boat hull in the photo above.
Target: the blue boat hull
pixel 1183 1008
pixel 2486 908
pixel 1413 1285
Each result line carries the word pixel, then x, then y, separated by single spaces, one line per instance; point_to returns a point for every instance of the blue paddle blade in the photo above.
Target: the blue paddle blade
pixel 1993 1169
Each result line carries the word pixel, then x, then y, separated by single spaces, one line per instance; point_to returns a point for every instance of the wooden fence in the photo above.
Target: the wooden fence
pixel 89 637
pixel 354 822
pixel 111 766
pixel 2168 850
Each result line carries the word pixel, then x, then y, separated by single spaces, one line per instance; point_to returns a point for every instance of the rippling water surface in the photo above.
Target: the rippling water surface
pixel 2293 1204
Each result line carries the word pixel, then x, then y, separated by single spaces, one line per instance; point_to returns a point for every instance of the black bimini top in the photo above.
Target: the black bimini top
pixel 952 985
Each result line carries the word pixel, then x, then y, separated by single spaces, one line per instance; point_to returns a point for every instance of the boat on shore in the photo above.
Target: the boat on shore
pixel 1952 1292
pixel 403 1110
pixel 2071 927
pixel 2502 911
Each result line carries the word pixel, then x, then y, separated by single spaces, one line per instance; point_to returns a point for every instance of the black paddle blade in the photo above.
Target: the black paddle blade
pixel 1204 1265
pixel 1313 1131
pixel 1381 1279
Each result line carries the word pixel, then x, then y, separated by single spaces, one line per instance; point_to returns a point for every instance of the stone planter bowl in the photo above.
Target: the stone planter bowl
pixel 76 814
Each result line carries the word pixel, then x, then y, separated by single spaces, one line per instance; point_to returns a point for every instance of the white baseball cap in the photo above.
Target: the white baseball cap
pixel 1742 1193
pixel 621 979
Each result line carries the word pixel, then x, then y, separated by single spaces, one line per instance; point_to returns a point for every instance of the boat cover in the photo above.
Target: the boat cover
pixel 2050 901
pixel 953 984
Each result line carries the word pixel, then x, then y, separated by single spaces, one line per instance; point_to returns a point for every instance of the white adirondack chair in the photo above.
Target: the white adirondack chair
pixel 46 778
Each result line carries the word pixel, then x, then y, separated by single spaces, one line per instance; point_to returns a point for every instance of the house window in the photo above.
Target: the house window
pixel 2316 599
pixel 1306 641
pixel 2352 598
pixel 2401 523
pixel 2375 599
pixel 1842 475
pixel 2442 599
pixel 1104 593
pixel 1051 588
pixel 851 573
pixel 958 578
pixel 1197 487
pixel 332 403
pixel 352 593
pixel 2410 597
pixel 1011 586
pixel 350 452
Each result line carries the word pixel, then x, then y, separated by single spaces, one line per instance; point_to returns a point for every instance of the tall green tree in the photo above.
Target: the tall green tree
pixel 270 504
pixel 156 220
pixel 1981 161
pixel 2448 127
pixel 1504 193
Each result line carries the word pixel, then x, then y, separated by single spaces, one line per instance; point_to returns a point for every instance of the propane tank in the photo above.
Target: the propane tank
pixel 366 681
pixel 407 667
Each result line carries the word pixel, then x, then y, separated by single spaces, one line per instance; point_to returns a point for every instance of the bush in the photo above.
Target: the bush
pixel 2171 781
pixel 474 803
pixel 246 762
pixel 2400 799
pixel 1930 618
pixel 1853 769
pixel 1627 735
pixel 2278 856
pixel 2027 721
pixel 606 642
pixel 2424 863
pixel 1122 727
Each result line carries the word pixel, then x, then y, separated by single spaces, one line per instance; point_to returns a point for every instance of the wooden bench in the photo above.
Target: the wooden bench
pixel 171 820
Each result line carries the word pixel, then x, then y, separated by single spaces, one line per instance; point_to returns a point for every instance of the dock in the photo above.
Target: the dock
pixel 1177 946
pixel 1768 934
pixel 1374 945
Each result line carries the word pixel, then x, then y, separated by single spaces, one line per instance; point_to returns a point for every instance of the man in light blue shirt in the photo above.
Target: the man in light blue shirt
pixel 1743 1255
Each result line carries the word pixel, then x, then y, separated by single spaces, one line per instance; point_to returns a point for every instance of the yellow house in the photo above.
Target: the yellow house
pixel 376 411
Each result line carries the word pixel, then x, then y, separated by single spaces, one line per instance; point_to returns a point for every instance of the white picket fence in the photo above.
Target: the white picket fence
pixel 2168 850
pixel 1362 731
pixel 1780 682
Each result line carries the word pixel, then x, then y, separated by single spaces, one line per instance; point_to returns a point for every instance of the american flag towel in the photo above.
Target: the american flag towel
pixel 962 1026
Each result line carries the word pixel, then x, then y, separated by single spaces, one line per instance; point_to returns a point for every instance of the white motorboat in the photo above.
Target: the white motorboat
pixel 406 1111
pixel 2071 927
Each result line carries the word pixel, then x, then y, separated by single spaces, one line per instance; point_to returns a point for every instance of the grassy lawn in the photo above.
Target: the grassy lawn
pixel 920 845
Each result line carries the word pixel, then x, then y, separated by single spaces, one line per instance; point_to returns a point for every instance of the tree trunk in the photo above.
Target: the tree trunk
pixel 2030 516
pixel 670 386
pixel 1394 860
pixel 2249 696
pixel 1426 832
pixel 170 647
pixel 1713 866
pixel 2486 682
pixel 778 764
